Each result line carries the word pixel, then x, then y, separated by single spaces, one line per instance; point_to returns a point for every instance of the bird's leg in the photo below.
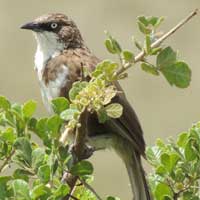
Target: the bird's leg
pixel 87 151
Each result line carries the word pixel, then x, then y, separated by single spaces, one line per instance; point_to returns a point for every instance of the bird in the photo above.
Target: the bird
pixel 61 53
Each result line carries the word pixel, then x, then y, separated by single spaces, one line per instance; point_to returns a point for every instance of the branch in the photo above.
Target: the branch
pixel 91 189
pixel 7 160
pixel 78 150
pixel 158 42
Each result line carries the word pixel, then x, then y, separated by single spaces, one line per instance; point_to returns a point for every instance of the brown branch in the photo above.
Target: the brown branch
pixel 81 133
pixel 159 41
pixel 78 151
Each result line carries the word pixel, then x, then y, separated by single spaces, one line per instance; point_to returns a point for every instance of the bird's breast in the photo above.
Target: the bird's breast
pixel 52 77
pixel 51 82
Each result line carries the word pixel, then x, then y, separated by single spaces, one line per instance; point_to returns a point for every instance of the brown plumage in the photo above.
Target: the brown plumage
pixel 68 55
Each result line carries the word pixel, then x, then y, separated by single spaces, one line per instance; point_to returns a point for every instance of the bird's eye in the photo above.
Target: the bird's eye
pixel 54 25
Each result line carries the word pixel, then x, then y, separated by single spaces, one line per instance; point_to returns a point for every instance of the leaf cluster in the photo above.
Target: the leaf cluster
pixel 39 168
pixel 176 166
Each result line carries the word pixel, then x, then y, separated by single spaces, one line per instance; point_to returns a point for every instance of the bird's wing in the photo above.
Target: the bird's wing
pixel 129 122
pixel 127 125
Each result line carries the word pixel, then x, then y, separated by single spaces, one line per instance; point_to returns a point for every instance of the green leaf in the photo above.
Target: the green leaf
pixel 166 58
pixel 155 51
pixel 188 195
pixel 102 116
pixel 153 155
pixel 143 20
pixel 32 124
pixel 179 175
pixel 165 160
pixel 114 110
pixel 182 139
pixel 42 131
pixel 116 46
pixel 21 189
pixel 149 68
pixel 4 150
pixel 23 148
pixel 161 170
pixel 40 191
pixel 3 186
pixel 158 22
pixel 160 143
pixel 8 135
pixel 169 160
pixel 53 124
pixel 44 173
pixel 38 158
pixel 149 24
pixel 61 191
pixel 178 74
pixel 17 108
pixel 112 45
pixel 83 193
pixel 29 108
pixel 82 168
pixel 174 158
pixel 137 43
pixel 4 103
pixel 189 151
pixel 128 56
pixel 162 190
pixel 21 174
pixel 41 128
pixel 155 21
pixel 109 46
pixel 60 104
pixel 110 92
pixel 64 153
pixel 105 70
pixel 76 88
pixel 69 114
pixel 144 29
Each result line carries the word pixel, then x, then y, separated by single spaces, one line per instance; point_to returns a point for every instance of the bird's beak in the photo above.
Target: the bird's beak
pixel 31 26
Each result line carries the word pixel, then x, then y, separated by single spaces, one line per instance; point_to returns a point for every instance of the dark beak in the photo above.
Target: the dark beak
pixel 31 26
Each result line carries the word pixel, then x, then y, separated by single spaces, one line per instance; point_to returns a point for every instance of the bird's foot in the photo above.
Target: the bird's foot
pixel 86 153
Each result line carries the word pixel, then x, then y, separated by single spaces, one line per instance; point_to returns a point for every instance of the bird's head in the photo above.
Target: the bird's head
pixel 56 29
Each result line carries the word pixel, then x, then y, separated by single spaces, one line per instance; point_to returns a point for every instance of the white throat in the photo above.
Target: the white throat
pixel 48 46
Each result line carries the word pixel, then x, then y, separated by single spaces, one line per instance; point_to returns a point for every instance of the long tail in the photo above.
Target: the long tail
pixel 137 177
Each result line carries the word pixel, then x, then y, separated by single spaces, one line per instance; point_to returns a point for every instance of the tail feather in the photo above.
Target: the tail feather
pixel 137 178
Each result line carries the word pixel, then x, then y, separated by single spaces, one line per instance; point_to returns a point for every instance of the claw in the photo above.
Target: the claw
pixel 87 153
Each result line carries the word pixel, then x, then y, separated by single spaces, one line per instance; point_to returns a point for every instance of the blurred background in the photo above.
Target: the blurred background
pixel 163 110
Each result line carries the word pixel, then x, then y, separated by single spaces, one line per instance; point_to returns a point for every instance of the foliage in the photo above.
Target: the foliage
pixel 40 168
pixel 176 166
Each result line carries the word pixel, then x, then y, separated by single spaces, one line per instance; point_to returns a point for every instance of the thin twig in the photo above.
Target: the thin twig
pixel 158 42
pixel 89 187
pixel 72 190
pixel 72 197
pixel 7 160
